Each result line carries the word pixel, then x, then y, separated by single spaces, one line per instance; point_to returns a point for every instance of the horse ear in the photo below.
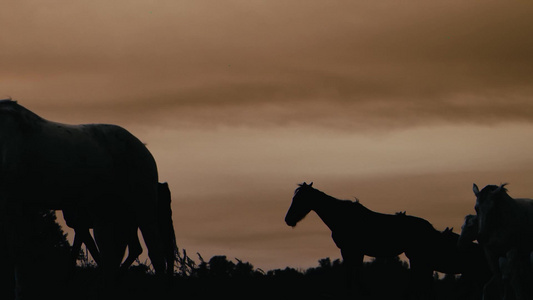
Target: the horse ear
pixel 475 189
pixel 311 184
pixel 501 187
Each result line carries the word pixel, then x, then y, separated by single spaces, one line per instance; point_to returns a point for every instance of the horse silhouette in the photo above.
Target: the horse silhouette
pixel 102 169
pixel 358 231
pixel 469 230
pixel 505 230
pixel 466 258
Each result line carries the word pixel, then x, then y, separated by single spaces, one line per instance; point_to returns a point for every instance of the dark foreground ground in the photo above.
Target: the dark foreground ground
pixel 47 254
pixel 221 278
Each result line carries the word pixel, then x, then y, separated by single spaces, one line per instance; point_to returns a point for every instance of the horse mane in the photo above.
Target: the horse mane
pixel 8 104
pixel 305 185
pixel 492 188
pixel 12 107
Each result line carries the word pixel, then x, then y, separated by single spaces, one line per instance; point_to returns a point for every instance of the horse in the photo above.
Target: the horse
pixel 468 260
pixel 510 267
pixel 469 230
pixel 505 229
pixel 100 168
pixel 358 231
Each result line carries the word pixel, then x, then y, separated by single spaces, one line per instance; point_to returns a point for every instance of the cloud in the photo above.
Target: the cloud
pixel 349 65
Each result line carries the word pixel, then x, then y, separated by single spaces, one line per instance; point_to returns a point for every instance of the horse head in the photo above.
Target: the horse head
pixel 300 205
pixel 487 201
pixel 469 230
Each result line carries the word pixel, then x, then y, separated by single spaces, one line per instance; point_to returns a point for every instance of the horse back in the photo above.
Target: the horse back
pixel 57 162
pixel 377 234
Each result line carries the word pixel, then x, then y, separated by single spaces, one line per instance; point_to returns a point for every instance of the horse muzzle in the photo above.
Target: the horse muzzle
pixel 482 237
pixel 289 222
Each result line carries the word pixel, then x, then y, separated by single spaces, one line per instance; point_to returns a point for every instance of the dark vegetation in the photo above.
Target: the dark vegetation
pixel 216 278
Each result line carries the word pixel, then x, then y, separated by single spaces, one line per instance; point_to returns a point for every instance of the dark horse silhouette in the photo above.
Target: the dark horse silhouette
pixel 467 258
pixel 358 231
pixel 100 168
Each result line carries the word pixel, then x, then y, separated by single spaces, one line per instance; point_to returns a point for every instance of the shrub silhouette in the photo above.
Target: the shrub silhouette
pixel 219 277
pixel 45 249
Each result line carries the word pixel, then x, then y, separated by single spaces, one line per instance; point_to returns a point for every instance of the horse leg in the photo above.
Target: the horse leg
pixel 153 243
pixel 7 283
pixel 496 281
pixel 421 282
pixel 166 226
pixel 353 262
pixel 91 246
pixel 517 270
pixel 110 242
pixel 134 249
pixel 17 226
pixel 75 250
pixel 83 236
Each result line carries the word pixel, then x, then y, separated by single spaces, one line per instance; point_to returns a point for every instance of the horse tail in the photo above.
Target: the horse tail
pixel 166 226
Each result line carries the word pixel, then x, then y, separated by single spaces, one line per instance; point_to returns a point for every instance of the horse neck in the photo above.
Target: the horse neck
pixel 330 210
pixel 521 209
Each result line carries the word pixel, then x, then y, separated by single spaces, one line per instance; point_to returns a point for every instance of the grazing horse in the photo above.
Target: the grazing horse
pixel 358 231
pixel 102 169
pixel 505 230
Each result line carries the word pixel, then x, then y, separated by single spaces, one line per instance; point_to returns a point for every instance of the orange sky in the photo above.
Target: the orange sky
pixel 403 105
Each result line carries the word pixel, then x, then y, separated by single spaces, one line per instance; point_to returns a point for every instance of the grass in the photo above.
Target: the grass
pixel 220 278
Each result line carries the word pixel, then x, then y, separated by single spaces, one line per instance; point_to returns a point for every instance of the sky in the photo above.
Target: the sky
pixel 402 104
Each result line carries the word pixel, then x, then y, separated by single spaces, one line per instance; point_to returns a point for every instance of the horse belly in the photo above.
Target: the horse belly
pixel 53 174
pixel 382 246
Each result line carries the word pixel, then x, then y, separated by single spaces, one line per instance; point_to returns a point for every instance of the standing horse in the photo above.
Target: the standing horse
pixel 505 229
pixel 358 231
pixel 102 169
